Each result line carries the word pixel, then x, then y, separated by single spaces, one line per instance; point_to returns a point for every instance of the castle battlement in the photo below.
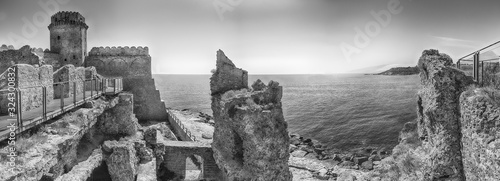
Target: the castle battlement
pixel 67 18
pixel 119 51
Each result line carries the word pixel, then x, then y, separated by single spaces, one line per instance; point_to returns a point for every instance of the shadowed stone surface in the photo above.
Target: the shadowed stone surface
pixel 250 140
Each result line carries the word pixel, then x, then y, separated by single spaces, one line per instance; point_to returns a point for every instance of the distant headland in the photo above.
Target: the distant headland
pixel 401 71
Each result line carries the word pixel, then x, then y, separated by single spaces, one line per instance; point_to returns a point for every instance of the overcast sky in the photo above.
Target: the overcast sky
pixel 270 37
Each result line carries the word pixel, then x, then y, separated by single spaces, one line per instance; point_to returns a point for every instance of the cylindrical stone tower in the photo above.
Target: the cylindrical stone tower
pixel 68 37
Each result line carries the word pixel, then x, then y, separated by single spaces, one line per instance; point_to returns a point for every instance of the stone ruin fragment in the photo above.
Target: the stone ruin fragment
pixel 250 137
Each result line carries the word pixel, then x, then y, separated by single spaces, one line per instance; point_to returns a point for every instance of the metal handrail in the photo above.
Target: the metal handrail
pixel 479 50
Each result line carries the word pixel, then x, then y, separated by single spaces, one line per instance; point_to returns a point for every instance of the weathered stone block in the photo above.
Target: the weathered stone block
pixel 481 133
pixel 120 156
pixel 120 120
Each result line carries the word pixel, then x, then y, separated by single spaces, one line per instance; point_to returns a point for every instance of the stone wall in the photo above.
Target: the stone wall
pixel 24 55
pixel 53 59
pixel 250 139
pixel 121 61
pixel 29 79
pixel 481 133
pixel 171 159
pixel 134 65
pixel 147 102
pixel 71 74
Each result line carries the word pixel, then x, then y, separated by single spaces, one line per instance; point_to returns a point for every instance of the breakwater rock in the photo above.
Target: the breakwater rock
pixel 250 139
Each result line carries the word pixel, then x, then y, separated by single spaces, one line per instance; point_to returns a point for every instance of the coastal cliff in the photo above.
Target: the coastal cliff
pixel 455 136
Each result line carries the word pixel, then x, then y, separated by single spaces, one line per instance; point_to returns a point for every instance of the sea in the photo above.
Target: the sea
pixel 342 111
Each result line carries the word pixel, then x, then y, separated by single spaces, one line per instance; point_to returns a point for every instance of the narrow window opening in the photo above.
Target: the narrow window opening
pixel 58 37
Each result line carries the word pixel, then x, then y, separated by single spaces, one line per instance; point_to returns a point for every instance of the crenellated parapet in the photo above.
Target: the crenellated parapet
pixel 119 51
pixel 6 47
pixel 67 18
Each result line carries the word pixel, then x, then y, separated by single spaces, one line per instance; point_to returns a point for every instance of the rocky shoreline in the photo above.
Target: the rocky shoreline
pixel 359 159
pixel 305 151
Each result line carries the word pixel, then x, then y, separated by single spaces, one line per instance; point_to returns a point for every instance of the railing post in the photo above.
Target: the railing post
pixel 84 88
pixel 44 102
pixel 476 67
pixel 458 64
pixel 91 88
pixel 114 86
pixel 18 111
pixel 74 92
pixel 482 73
pixel 62 97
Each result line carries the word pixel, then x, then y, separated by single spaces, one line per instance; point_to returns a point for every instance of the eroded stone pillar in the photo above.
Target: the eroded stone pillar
pixel 439 115
pixel 250 137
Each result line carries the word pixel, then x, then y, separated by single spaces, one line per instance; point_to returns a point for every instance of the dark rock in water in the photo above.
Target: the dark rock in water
pixel 367 165
pixel 206 136
pixel 359 160
pixel 375 158
pixel 299 153
pixel 333 162
pixel 295 141
pixel 347 164
pixel 292 148
pixel 313 156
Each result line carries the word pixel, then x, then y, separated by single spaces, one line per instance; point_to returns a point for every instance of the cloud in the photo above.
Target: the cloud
pixel 455 42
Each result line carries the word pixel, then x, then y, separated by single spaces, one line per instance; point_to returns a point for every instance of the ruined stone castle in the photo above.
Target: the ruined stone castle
pixel 68 46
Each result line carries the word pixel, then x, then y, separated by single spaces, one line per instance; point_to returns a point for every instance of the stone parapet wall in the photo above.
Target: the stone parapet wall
pixel 30 80
pixel 126 66
pixel 119 51
pixel 24 55
pixel 69 75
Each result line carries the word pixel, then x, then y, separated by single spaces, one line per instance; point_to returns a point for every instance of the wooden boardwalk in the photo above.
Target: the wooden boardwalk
pixel 35 116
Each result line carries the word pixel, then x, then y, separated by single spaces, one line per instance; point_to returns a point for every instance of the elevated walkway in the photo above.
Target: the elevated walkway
pixel 16 117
